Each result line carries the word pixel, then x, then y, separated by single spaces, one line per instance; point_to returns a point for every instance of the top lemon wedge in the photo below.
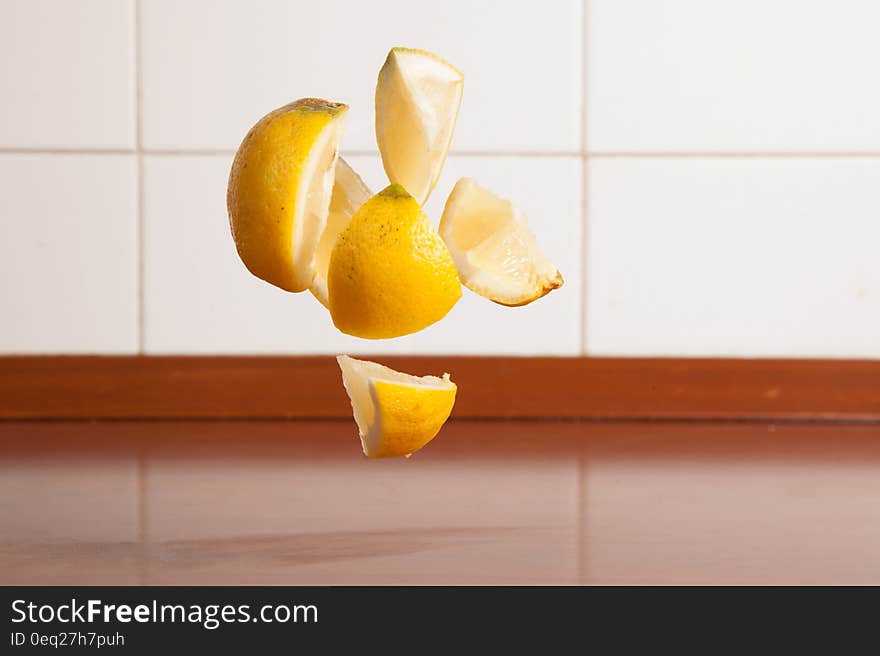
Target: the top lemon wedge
pixel 280 188
pixel 418 95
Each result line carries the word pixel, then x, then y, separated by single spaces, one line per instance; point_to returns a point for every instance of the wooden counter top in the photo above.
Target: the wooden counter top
pixel 274 502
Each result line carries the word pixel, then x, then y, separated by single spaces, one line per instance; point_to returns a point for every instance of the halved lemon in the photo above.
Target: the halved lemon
pixel 494 250
pixel 390 272
pixel 280 187
pixel 349 193
pixel 396 413
pixel 417 99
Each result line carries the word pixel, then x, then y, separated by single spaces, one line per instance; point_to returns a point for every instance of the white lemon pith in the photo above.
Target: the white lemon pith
pixel 396 413
pixel 280 187
pixel 494 250
pixel 349 193
pixel 418 95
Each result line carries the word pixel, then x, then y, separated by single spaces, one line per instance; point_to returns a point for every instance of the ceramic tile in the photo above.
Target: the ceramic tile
pixel 685 75
pixel 68 257
pixel 733 257
pixel 258 56
pixel 67 74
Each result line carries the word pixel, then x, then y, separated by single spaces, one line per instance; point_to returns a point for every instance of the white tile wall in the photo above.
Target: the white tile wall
pixel 67 74
pixel 630 109
pixel 734 256
pixel 198 296
pixel 750 75
pixel 210 68
pixel 68 255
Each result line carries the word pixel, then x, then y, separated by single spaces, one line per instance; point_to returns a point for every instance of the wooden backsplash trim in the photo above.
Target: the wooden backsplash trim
pixel 95 387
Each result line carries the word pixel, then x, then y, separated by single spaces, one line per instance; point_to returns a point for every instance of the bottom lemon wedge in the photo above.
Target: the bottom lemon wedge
pixel 396 413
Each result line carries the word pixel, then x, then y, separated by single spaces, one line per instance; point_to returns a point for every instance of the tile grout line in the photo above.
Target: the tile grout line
pixel 583 67
pixel 139 168
pixel 584 242
pixel 609 154
pixel 584 167
pixel 65 151
pixel 196 152
pixel 721 154
pixel 579 486
pixel 143 535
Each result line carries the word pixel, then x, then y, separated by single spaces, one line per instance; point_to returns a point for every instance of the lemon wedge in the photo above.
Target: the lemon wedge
pixel 396 413
pixel 494 250
pixel 280 187
pixel 349 193
pixel 390 272
pixel 417 99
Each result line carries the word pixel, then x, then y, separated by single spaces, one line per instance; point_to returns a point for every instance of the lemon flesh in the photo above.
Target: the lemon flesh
pixel 390 272
pixel 494 250
pixel 280 187
pixel 396 413
pixel 349 193
pixel 418 95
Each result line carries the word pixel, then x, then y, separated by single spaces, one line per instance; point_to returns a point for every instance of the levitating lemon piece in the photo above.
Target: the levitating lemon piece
pixel 494 250
pixel 390 272
pixel 417 100
pixel 349 193
pixel 396 414
pixel 280 187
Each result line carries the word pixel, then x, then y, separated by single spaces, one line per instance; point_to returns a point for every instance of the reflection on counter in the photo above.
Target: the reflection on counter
pixel 486 502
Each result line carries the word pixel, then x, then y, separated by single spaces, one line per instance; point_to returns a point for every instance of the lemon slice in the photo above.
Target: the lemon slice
pixel 396 413
pixel 417 99
pixel 390 272
pixel 349 193
pixel 280 187
pixel 494 250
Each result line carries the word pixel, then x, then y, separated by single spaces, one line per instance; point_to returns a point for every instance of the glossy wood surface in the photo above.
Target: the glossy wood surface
pixel 505 387
pixel 273 502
